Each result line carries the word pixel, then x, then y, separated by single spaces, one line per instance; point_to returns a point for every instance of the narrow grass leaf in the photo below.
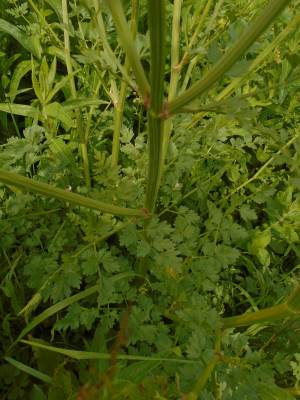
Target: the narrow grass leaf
pixel 71 104
pixel 29 370
pixel 90 355
pixel 67 302
pixel 55 309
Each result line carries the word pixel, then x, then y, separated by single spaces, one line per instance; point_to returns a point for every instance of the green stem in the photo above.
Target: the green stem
pixel 290 308
pixel 175 49
pixel 256 65
pixel 123 90
pixel 194 395
pixel 155 163
pixel 232 56
pixel 129 48
pixel 156 15
pixel 99 23
pixel 175 73
pixel 79 122
pixel 188 73
pixel 217 106
pixel 42 18
pixel 156 18
pixel 293 391
pixel 213 17
pixel 30 185
pixel 196 33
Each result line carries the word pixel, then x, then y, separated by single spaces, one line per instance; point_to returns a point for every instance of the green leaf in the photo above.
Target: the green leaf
pixel 226 254
pixel 138 371
pixel 90 355
pixel 143 248
pixel 55 309
pixel 71 104
pixel 261 239
pixel 46 360
pixel 36 85
pixel 59 85
pixel 63 284
pixel 55 110
pixel 56 5
pixel 65 303
pixel 32 46
pixel 262 156
pixel 28 370
pixel 37 393
pixel 233 173
pixel 19 71
pixel 263 257
pixel 213 53
pixel 51 74
pixel 247 213
pixel 61 385
pixel 63 153
pixel 20 109
pixel 109 262
pixel 272 393
pixel 239 68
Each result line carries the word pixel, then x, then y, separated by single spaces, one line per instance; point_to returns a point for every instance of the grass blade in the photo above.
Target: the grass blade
pixel 28 370
pixel 55 309
pixel 91 355
pixel 67 302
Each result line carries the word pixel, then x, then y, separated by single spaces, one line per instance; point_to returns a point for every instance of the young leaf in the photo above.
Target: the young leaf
pixel 272 393
pixel 33 47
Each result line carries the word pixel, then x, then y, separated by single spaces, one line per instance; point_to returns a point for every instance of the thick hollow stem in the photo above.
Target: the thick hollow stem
pixel 232 56
pixel 156 18
pixel 156 14
pixel 33 186
pixel 290 308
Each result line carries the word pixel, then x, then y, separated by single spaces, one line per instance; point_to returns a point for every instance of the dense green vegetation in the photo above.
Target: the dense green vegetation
pixel 149 199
